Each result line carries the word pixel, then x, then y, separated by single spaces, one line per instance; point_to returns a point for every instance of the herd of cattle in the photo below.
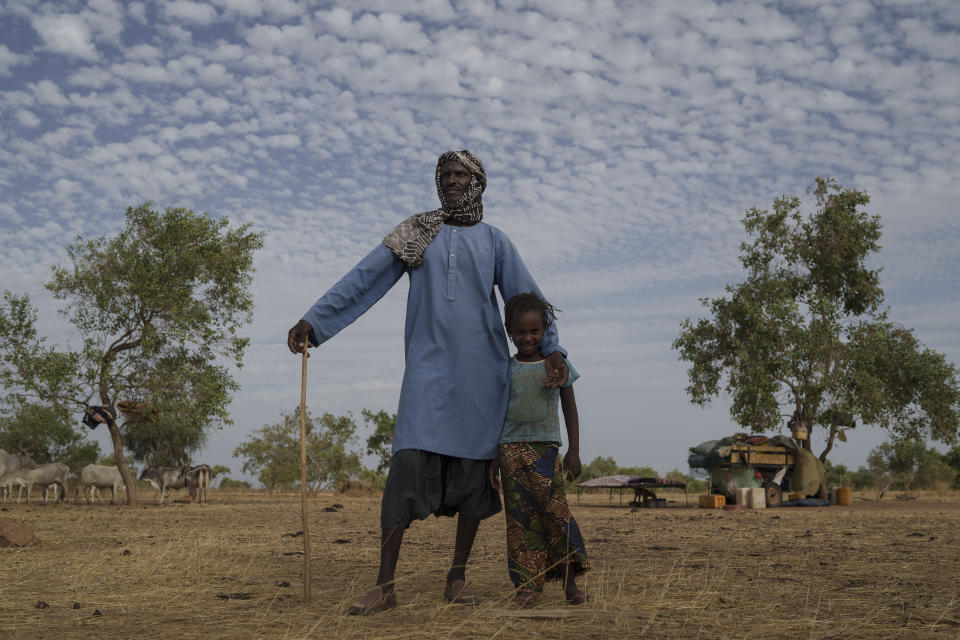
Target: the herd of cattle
pixel 18 469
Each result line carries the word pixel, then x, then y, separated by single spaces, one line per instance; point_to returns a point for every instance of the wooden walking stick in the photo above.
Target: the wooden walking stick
pixel 303 479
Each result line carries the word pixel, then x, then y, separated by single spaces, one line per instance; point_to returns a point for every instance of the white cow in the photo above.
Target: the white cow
pixel 98 476
pixel 8 462
pixel 165 478
pixel 44 475
pixel 10 465
pixel 7 482
pixel 198 478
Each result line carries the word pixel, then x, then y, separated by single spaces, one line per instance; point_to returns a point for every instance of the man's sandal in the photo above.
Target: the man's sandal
pixel 456 592
pixel 578 597
pixel 374 601
pixel 527 598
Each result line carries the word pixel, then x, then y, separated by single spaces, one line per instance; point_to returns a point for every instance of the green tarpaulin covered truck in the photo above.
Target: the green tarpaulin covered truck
pixel 777 464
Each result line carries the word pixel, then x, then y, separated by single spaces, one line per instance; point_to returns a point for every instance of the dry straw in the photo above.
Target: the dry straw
pixel 233 569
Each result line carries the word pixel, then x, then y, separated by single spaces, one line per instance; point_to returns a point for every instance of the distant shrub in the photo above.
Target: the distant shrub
pixel 229 483
pixel 371 477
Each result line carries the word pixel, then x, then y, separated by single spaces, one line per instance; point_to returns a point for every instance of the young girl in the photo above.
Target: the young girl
pixel 543 539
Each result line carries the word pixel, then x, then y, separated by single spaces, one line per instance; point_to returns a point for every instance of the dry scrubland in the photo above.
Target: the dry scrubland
pixel 231 569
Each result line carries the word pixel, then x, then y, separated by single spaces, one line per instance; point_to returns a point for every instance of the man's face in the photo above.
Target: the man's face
pixel 454 180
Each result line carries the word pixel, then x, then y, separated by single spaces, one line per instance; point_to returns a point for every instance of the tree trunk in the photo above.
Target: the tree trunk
pixel 128 479
pixel 829 447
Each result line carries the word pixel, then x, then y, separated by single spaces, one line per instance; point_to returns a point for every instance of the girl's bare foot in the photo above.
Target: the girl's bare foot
pixel 527 598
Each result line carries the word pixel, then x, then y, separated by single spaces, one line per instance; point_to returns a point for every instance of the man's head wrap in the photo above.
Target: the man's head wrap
pixel 410 238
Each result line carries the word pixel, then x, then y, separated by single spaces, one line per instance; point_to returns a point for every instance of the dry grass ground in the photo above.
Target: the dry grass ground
pixel 231 569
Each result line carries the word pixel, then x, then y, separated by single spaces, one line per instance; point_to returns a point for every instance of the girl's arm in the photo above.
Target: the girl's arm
pixel 571 460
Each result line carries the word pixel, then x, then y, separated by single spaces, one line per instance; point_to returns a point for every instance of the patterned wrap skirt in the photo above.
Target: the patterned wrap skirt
pixel 541 534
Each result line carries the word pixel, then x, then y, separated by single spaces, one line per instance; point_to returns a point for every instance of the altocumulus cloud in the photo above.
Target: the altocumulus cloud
pixel 623 142
pixel 66 34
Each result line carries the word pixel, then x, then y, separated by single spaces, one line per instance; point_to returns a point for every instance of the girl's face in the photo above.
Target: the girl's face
pixel 527 333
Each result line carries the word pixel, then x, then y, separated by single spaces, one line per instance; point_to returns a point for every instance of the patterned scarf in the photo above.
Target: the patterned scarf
pixel 410 238
pixel 94 416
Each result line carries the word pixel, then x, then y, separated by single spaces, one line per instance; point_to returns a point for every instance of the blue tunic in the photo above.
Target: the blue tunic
pixel 454 393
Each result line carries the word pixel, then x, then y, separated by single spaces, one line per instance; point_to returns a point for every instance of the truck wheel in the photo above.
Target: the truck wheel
pixel 772 493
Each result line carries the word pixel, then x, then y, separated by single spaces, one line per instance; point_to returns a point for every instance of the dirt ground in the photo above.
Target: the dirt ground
pixel 234 569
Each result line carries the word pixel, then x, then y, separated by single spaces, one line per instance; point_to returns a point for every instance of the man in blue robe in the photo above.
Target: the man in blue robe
pixel 455 388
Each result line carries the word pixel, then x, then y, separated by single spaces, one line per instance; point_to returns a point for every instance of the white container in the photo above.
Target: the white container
pixel 758 499
pixel 832 494
pixel 743 497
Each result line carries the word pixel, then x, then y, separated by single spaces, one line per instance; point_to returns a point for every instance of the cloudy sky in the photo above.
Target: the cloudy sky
pixel 623 143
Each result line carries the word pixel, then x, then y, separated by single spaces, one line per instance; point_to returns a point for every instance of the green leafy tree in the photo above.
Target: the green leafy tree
pixel 693 484
pixel 330 461
pixel 378 444
pixel 229 483
pixel 863 478
pixel 952 458
pixel 805 337
pixel 165 443
pixel 599 467
pixel 110 461
pixel 373 478
pixel 837 474
pixel 910 464
pixel 272 453
pixel 159 307
pixel 641 471
pixel 48 434
pixel 606 466
pixel 219 470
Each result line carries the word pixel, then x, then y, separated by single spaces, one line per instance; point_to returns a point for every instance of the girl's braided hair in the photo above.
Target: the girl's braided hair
pixel 524 302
